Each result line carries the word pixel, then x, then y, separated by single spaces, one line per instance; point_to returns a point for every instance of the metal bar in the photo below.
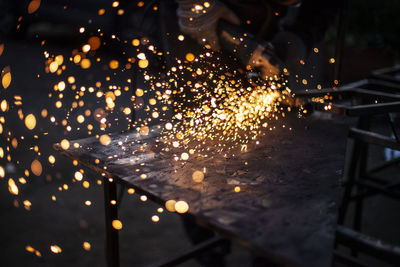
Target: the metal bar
pixel 348 260
pixel 367 244
pixel 371 193
pixel 384 165
pixel 111 213
pixel 120 196
pixel 351 173
pixel 189 253
pixel 379 188
pixel 391 122
pixel 364 123
pixel 373 138
pixel 373 109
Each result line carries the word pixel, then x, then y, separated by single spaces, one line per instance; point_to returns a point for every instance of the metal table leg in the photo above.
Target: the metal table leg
pixel 111 213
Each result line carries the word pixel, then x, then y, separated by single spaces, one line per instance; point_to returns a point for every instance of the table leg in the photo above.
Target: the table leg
pixel 111 213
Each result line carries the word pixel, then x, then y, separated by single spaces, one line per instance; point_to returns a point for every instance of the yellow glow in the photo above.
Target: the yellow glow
pixel 131 191
pixel 61 86
pixel 2 172
pixel 155 114
pixel 55 249
pixel 6 80
pixel 198 176
pixel 189 57
pixel 86 48
pixel 78 176
pixel 155 218
pixel 139 92
pixel 105 140
pixel 86 246
pixel 135 42
pixel 168 126
pixel 181 206
pixel 29 249
pixel 4 105
pixel 143 63
pixel 59 59
pixel 52 159
pixel 114 64
pixel 144 130
pixel 30 121
pixel 115 4
pixel 184 156
pixel 237 189
pixel 181 37
pixel 86 184
pixel 77 58
pixel 36 167
pixel 170 205
pixel 101 11
pixel 80 119
pixel 85 63
pixel 53 66
pixel 117 224
pixel 64 144
pixel 12 187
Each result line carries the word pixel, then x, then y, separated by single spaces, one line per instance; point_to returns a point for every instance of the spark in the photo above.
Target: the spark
pixel 181 206
pixel 55 249
pixel 117 224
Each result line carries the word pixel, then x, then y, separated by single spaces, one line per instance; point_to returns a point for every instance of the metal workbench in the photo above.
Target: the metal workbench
pixel 286 209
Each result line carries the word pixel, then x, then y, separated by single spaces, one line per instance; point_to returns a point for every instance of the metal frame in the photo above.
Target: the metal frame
pixel 387 74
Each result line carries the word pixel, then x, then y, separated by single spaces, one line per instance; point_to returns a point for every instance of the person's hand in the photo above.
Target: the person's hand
pixel 199 20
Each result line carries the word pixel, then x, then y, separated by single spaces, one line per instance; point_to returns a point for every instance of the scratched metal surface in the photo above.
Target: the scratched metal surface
pixel 287 206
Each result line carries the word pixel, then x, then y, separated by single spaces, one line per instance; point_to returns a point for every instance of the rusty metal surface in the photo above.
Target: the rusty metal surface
pixel 287 207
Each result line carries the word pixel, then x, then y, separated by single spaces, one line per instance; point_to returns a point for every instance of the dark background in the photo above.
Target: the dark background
pixel 372 42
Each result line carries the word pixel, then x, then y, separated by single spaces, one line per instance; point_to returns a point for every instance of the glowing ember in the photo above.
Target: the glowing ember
pixel 117 224
pixel 198 176
pixel 86 246
pixel 170 205
pixel 30 121
pixel 105 140
pixel 181 206
pixel 36 167
pixel 64 144
pixel 55 249
pixel 12 187
pixel 6 78
pixel 190 57
pixel 78 176
pixel 2 172
pixel 33 6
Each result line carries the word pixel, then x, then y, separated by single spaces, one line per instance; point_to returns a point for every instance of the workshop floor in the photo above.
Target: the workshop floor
pixel 68 222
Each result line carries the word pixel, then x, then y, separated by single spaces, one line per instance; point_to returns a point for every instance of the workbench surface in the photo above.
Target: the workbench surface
pixel 287 205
